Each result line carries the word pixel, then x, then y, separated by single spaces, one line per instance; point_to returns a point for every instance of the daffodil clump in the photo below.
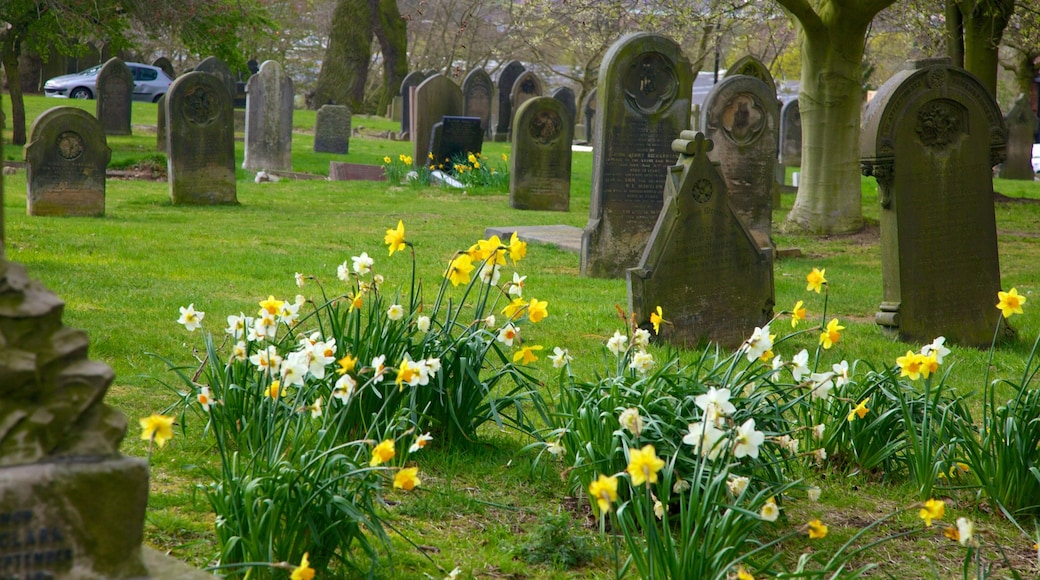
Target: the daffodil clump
pixel 477 170
pixel 395 170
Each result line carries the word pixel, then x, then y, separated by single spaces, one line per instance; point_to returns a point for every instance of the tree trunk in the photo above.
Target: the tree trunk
pixel 1024 69
pixel 983 29
pixel 14 88
pixel 391 31
pixel 954 34
pixel 344 69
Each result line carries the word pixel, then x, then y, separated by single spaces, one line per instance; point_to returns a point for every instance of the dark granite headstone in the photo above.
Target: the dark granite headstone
pixel 527 86
pixel 931 137
pixel 215 66
pixel 540 168
pixel 160 124
pixel 437 97
pixel 269 119
pixel 332 129
pixel 454 137
pixel 750 66
pixel 566 97
pixel 504 109
pixel 115 89
pixel 791 134
pixel 1021 123
pixel 477 89
pixel 413 79
pixel 166 66
pixel 699 251
pixel 588 112
pixel 740 117
pixel 65 163
pixel 645 83
pixel 200 141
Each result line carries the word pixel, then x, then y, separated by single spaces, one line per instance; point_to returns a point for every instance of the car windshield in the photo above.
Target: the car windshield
pixel 92 71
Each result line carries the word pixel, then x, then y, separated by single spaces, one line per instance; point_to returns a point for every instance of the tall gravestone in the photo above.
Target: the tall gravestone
pixel 200 141
pixel 115 89
pixel 166 66
pixel 701 250
pixel 332 129
pixel 566 97
pixel 65 163
pixel 220 69
pixel 643 98
pixel 437 97
pixel 160 124
pixel 741 118
pixel 750 66
pixel 791 134
pixel 269 119
pixel 540 169
pixel 931 137
pixel 504 109
pixel 588 113
pixel 411 80
pixel 1021 123
pixel 477 89
pixel 527 86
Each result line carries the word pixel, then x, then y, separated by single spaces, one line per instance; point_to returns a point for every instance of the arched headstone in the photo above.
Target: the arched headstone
pixel 477 90
pixel 115 89
pixel 65 162
pixel 588 113
pixel 436 97
pixel 791 134
pixel 200 141
pixel 1021 123
pixel 411 80
pixel 566 97
pixel 540 169
pixel 750 66
pixel 527 86
pixel 166 66
pixel 220 69
pixel 504 109
pixel 269 117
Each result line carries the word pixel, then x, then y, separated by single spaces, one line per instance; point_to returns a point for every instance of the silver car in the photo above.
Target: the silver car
pixel 150 83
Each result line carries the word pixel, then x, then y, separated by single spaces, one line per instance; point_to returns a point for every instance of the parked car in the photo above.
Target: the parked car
pixel 150 83
pixel 1036 158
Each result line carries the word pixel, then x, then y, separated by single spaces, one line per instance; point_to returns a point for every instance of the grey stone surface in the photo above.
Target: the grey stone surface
pixel 220 69
pixel 339 171
pixel 566 97
pixel 540 168
pixel 588 112
pixel 437 97
pixel 567 238
pixel 699 252
pixel 200 147
pixel 527 86
pixel 269 119
pixel 65 163
pixel 752 67
pixel 166 66
pixel 503 112
pixel 477 90
pixel 645 84
pixel 163 567
pixel 791 134
pixel 411 80
pixel 931 137
pixel 1021 123
pixel 332 129
pixel 455 137
pixel 115 86
pixel 160 125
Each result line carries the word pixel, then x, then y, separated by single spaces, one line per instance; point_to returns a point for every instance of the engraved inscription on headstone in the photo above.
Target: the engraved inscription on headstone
pixel 540 169
pixel 115 85
pixel 65 164
pixel 200 141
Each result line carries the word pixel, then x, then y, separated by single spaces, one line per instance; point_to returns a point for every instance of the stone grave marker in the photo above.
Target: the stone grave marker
pixel 215 66
pixel 455 137
pixel 115 87
pixel 1021 123
pixel 791 134
pixel 701 250
pixel 65 163
pixel 200 141
pixel 437 97
pixel 411 80
pixel 588 112
pixel 931 137
pixel 540 168
pixel 269 119
pixel 645 83
pixel 160 124
pixel 566 96
pixel 750 66
pixel 476 96
pixel 332 129
pixel 740 116
pixel 504 110
pixel 166 66
pixel 527 86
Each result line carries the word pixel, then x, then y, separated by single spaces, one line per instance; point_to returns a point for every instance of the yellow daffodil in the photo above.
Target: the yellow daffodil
pixel 274 390
pixel 471 158
pixel 158 428
pixel 859 410
pixel 526 354
pixel 407 159
pixel 536 311
pixel 816 280
pixel 817 530
pixel 407 373
pixel 517 248
pixel 743 574
pixel 382 453
pixel 952 534
pixel 831 334
pixel 386 160
pixel 401 157
pixel 505 157
pixel 929 364
pixel 346 364
pixel 430 155
pixel 513 309
pixel 769 512
pixel 933 510
pixel 304 570
pixel 394 238
pixel 459 270
pixel 604 490
pixel 407 479
pixel 656 318
pixel 270 306
pixel 1010 302
pixel 797 314
pixel 643 465
pixel 491 247
pixel 910 365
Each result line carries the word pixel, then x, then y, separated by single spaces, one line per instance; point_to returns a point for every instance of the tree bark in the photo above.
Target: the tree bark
pixel 391 31
pixel 984 22
pixel 954 34
pixel 344 69
pixel 10 46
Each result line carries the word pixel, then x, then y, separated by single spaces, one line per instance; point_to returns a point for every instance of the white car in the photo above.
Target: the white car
pixel 1036 157
pixel 150 83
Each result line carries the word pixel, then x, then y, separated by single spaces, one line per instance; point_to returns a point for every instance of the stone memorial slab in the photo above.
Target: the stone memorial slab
pixel 740 116
pixel 166 66
pixel 65 163
pixel 411 80
pixel 160 124
pixel 477 90
pixel 527 86
pixel 566 96
pixel 269 119
pixel 1021 123
pixel 332 129
pixel 215 66
pixel 791 134
pixel 588 112
pixel 115 87
pixel 540 168
pixel 437 97
pixel 455 137
pixel 339 171
pixel 566 238
pixel 645 84
pixel 504 108
pixel 200 141
pixel 700 250
pixel 750 66
pixel 931 137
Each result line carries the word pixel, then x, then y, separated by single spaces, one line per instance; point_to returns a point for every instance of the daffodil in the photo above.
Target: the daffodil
pixel 362 264
pixel 769 512
pixel 526 354
pixel 705 438
pixel 560 357
pixel 859 410
pixel 271 306
pixel 158 428
pixel 929 364
pixel 420 442
pixel 933 509
pixel 1010 302
pixel 813 493
pixel 423 324
pixel 800 365
pixel 516 287
pixel 382 453
pixel 747 440
pixel 631 421
pixel 190 318
pixel 604 489
pixel 737 484
pixel 537 311
pixel 640 338
pixel 515 306
pixel 715 403
pixel 831 334
pixel 656 318
pixel 386 160
pixel 491 247
pixel 395 312
pixel 459 269
pixel 759 343
pixel 743 574
pixel 304 570
pixel 237 325
pixel 274 390
pixel 817 530
pixel 344 388
pixel 205 398
pixel 965 531
pixel 508 334
pixel 407 479
pixel 910 365
pixel 937 347
pixel 517 248
pixel 642 362
pixel 643 465
pixel 394 238
pixel 816 280
pixel 797 314
pixel 616 344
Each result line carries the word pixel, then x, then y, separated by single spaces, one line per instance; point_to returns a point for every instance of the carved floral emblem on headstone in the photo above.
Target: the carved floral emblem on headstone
pixel 743 119
pixel 199 106
pixel 70 145
pixel 702 191
pixel 938 124
pixel 650 84
pixel 545 126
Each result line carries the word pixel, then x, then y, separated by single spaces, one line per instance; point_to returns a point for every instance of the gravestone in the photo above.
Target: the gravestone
pixel 65 163
pixel 1021 123
pixel 412 80
pixel 931 137
pixel 750 66
pixel 643 97
pixel 115 88
pixel 695 118
pixel 269 119
pixel 200 141
pixel 540 168
pixel 332 129
pixel 160 124
pixel 566 97
pixel 395 108
pixel 437 97
pixel 740 116
pixel 504 109
pixel 588 112
pixel 476 97
pixel 527 86
pixel 217 67
pixel 699 251
pixel 455 137
pixel 791 134
pixel 166 66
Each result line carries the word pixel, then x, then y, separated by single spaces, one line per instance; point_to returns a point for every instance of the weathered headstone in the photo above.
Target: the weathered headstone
pixel 527 86
pixel 332 129
pixel 166 66
pixel 699 251
pixel 791 134
pixel 645 84
pixel 476 96
pixel 65 163
pixel 540 168
pixel 217 67
pixel 115 88
pixel 750 66
pixel 931 137
pixel 437 97
pixel 395 111
pixel 566 97
pixel 413 79
pixel 1021 123
pixel 504 108
pixel 588 112
pixel 741 118
pixel 160 125
pixel 455 137
pixel 200 141
pixel 269 119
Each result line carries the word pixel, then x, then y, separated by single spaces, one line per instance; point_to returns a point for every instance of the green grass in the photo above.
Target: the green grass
pixel 124 276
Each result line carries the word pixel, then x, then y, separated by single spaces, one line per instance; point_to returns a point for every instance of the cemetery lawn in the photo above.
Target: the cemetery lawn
pixel 124 276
